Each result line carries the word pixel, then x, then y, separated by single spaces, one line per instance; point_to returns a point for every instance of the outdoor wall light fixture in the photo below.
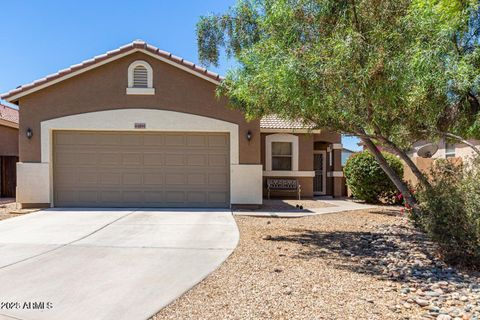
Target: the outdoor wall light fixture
pixel 29 133
pixel 249 135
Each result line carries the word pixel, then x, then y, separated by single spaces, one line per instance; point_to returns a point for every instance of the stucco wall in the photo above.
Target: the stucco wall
pixel 104 88
pixel 8 141
pixel 328 136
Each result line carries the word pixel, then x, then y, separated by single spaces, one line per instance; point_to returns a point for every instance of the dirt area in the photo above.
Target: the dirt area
pixel 368 264
pixel 7 205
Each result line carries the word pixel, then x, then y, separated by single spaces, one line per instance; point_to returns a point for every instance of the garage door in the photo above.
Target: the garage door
pixel 125 169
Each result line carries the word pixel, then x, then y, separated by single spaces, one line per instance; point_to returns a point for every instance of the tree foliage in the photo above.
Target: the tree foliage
pixel 390 71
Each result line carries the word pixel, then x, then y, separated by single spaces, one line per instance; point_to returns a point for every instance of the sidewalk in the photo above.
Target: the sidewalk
pixel 310 208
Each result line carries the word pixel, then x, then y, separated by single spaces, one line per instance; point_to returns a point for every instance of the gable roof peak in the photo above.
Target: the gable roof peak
pixel 136 45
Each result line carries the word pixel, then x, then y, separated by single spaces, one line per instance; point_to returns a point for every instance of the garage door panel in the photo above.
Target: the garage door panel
pixel 218 140
pixel 108 139
pixel 111 196
pixel 152 159
pixel 135 179
pixel 131 140
pixel 87 196
pixel 197 197
pixel 132 158
pixel 175 196
pixel 66 196
pixel 197 179
pixel 197 141
pixel 175 159
pixel 81 158
pixel 218 160
pixel 175 140
pixel 153 140
pixel 132 196
pixel 153 179
pixel 197 160
pixel 110 158
pixel 175 179
pixel 217 197
pixel 111 179
pixel 85 177
pixel 218 179
pixel 148 169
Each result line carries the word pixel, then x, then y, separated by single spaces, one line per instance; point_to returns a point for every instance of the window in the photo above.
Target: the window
pixel 449 150
pixel 140 78
pixel 282 156
pixel 281 152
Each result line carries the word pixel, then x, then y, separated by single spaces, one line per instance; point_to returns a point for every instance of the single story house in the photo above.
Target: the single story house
pixel 442 149
pixel 8 150
pixel 141 127
pixel 425 153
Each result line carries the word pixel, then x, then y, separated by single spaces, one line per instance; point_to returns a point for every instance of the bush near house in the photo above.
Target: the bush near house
pixel 366 179
pixel 450 210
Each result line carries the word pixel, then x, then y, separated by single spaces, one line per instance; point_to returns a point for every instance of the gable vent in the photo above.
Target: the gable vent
pixel 140 77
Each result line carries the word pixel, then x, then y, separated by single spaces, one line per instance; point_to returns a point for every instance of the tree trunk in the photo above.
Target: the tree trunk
pixel 397 181
pixel 418 174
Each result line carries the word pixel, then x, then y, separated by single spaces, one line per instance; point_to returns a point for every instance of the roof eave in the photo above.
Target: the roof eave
pixel 7 123
pixel 291 130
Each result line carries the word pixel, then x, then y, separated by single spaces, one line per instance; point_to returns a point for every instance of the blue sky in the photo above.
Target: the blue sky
pixel 41 37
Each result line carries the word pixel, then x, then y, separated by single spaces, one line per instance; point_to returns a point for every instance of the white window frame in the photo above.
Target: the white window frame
pixel 150 90
pixel 293 139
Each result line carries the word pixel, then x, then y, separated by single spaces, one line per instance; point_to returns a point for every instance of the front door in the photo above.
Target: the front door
pixel 319 182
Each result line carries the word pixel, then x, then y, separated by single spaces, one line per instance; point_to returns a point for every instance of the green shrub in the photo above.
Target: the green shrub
pixel 366 179
pixel 450 210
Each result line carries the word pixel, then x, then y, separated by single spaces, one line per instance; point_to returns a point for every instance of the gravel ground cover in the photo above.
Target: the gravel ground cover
pixel 368 264
pixel 6 206
pixel 287 205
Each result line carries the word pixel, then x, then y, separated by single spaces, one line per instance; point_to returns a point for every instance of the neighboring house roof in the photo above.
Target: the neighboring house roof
pixel 348 150
pixel 8 116
pixel 137 45
pixel 275 122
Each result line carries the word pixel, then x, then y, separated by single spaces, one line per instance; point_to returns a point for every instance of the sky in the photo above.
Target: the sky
pixel 42 37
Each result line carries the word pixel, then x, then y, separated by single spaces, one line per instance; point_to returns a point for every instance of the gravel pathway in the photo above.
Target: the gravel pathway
pixel 368 264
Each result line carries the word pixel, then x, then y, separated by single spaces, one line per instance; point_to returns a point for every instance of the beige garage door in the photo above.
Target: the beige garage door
pixel 124 169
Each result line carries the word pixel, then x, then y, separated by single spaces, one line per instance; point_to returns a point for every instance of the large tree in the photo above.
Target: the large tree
pixel 346 65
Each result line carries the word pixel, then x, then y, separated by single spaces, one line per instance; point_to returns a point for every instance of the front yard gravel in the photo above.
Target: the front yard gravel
pixel 368 264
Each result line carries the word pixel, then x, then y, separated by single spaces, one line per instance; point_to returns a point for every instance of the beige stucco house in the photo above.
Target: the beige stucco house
pixel 140 127
pixel 425 153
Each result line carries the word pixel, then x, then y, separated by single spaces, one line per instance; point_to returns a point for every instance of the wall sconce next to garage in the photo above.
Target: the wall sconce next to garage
pixel 29 133
pixel 249 135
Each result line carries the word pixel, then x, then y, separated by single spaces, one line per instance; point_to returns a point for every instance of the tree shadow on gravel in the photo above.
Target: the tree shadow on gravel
pixel 386 212
pixel 395 254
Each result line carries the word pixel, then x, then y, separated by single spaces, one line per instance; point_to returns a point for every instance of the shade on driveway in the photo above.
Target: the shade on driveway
pixel 108 264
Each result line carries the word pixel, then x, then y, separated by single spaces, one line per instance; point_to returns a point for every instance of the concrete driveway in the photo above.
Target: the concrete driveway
pixel 107 264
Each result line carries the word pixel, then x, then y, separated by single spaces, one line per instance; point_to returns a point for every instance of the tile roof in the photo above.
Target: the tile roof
pixel 133 46
pixel 275 122
pixel 8 114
